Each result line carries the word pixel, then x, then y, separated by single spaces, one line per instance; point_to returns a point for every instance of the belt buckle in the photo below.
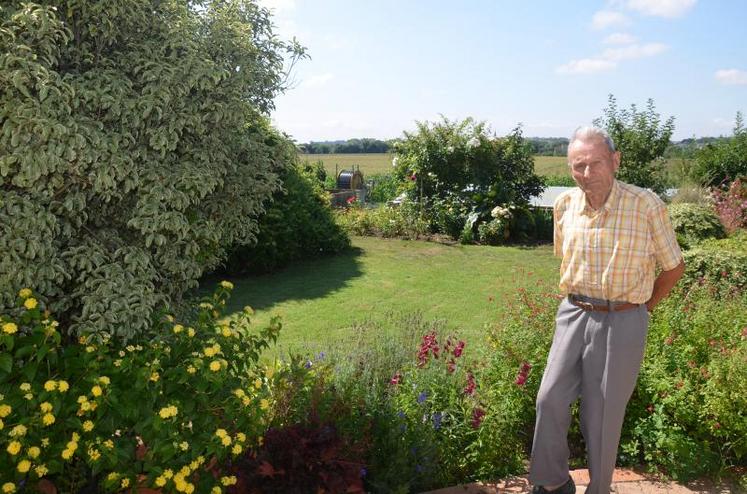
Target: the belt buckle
pixel 587 306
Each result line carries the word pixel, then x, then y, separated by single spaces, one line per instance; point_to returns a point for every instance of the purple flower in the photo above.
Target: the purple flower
pixel 422 397
pixel 308 364
pixel 437 417
pixel 363 472
pixel 321 356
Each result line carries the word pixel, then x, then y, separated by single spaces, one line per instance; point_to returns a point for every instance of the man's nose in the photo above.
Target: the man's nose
pixel 587 171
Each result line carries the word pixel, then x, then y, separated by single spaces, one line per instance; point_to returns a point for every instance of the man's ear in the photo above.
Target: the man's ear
pixel 615 160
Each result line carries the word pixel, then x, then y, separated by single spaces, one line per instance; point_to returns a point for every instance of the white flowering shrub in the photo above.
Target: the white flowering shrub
pixel 134 146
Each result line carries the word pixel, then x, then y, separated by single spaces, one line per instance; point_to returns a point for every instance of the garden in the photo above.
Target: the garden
pixel 181 309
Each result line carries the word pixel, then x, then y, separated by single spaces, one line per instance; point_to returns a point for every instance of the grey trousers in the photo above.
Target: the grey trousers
pixel 597 356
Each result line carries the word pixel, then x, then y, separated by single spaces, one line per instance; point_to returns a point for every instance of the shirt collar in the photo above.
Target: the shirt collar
pixel 609 205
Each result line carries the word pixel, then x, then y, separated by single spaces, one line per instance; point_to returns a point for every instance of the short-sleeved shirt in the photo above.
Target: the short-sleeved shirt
pixel 612 252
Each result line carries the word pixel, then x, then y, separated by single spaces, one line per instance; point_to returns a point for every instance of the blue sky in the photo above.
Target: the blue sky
pixel 378 66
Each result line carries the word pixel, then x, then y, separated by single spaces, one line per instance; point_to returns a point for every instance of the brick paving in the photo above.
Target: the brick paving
pixel 624 481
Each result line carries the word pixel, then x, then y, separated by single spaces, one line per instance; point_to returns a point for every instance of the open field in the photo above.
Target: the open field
pixel 382 162
pixel 320 300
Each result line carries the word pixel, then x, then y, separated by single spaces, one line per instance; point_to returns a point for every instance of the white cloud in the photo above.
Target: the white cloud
pixel 662 8
pixel 633 52
pixel 607 18
pixel 586 66
pixel 619 39
pixel 317 80
pixel 731 76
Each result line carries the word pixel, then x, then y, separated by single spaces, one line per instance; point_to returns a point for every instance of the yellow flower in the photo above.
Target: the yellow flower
pixel 228 480
pixel 94 454
pixel 14 447
pixel 264 404
pixel 125 483
pixel 33 452
pixel 185 471
pixel 236 449
pixel 112 476
pixel 216 490
pixel 191 369
pixel 190 332
pixel 9 487
pixel 24 466
pixel 130 348
pixel 28 396
pixel 241 437
pixel 24 293
pixel 75 438
pixel 227 285
pixel 215 366
pixel 46 407
pixel 5 411
pixel 25 387
pixel 18 431
pixel 117 362
pixel 50 385
pixel 225 440
pixel 168 473
pixel 41 470
pixel 160 481
pixel 67 454
pixel 96 390
pixel 184 445
pixel 155 376
pixel 221 433
pixel 90 349
pixel 209 352
pixel 105 380
pixel 270 372
pixel 62 386
pixel 45 442
pixel 88 426
pixel 178 328
pixel 30 303
pixel 82 399
pixel 9 328
pixel 2 425
pixel 189 488
pixel 226 331
pixel 258 383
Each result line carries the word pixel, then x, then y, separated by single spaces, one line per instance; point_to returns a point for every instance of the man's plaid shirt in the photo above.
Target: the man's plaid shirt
pixel 611 253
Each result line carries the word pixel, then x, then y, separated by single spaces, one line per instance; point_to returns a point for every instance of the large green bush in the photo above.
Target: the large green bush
pixel 461 163
pixel 694 223
pixel 724 160
pixel 133 147
pixel 297 224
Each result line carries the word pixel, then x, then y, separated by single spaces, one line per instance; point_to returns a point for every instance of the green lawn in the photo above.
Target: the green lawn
pixel 320 300
pixel 382 162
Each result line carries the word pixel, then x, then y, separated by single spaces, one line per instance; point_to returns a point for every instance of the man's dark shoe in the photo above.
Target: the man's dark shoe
pixel 567 488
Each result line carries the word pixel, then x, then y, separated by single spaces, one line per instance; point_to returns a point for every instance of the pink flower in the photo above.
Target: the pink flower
pixel 521 378
pixel 413 177
pixel 459 349
pixel 351 199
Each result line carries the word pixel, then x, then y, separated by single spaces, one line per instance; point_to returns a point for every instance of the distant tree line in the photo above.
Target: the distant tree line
pixel 350 146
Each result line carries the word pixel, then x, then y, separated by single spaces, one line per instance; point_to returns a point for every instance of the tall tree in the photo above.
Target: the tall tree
pixel 134 147
pixel 642 138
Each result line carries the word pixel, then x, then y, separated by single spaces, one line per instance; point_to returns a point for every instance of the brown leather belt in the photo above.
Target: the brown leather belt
pixel 610 307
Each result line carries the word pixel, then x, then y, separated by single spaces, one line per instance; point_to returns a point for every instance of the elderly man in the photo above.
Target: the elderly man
pixel 611 236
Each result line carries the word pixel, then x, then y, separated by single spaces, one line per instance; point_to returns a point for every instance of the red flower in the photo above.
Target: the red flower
pixel 521 378
pixel 413 177
pixel 471 385
pixel 351 199
pixel 460 348
pixel 477 415
pixel 395 379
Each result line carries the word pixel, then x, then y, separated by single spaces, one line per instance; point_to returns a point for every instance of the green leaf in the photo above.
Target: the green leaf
pixel 6 362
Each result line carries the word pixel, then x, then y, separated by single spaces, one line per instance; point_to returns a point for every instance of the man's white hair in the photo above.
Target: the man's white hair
pixel 587 133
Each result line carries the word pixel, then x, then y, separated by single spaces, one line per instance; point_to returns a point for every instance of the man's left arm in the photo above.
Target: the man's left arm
pixel 664 284
pixel 667 252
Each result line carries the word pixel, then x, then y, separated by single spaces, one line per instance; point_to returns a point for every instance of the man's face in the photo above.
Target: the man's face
pixel 592 165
